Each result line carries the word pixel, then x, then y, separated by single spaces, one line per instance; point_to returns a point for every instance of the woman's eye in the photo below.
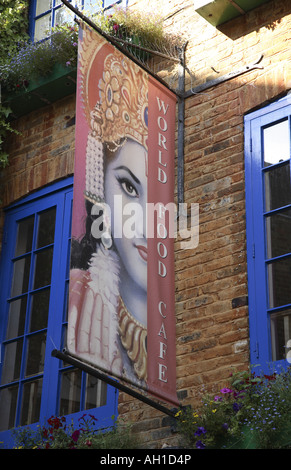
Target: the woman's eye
pixel 128 188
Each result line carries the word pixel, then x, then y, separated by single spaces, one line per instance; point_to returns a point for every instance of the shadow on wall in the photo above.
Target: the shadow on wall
pixel 267 16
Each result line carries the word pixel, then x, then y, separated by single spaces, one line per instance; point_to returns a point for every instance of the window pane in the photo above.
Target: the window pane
pixel 280 334
pixel 278 229
pixel 91 5
pixel 16 319
pixel 66 303
pixel 276 143
pixel 277 187
pixel 12 361
pixel 31 399
pixel 64 341
pixel 95 393
pixel 42 6
pixel 70 392
pixel 63 15
pixel 24 236
pixel 46 228
pixel 107 3
pixel 39 310
pixel 8 403
pixel 279 276
pixel 35 354
pixel 43 268
pixel 20 280
pixel 42 26
pixel 68 260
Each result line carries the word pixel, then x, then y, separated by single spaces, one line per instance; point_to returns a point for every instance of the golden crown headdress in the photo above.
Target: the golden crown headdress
pixel 114 92
pixel 123 101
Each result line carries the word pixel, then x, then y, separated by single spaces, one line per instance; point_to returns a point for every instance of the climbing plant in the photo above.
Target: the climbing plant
pixel 13 33
pixel 14 26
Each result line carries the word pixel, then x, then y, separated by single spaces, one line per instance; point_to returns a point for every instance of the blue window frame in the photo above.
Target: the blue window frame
pixel 34 278
pixel 46 14
pixel 268 216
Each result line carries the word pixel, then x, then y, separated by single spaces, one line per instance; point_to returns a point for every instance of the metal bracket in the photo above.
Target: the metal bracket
pixel 223 78
pixel 181 109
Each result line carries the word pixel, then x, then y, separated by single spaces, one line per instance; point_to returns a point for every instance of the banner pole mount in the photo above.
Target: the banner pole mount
pixel 65 356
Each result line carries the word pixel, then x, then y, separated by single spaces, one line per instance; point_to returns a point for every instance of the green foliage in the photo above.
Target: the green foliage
pixel 5 128
pixel 35 60
pixel 253 412
pixel 57 434
pixel 127 24
pixel 14 26
pixel 13 32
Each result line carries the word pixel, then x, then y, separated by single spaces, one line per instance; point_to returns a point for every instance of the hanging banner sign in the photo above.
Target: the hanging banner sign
pixel 121 316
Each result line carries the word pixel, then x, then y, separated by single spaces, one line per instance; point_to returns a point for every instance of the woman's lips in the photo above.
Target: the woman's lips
pixel 142 251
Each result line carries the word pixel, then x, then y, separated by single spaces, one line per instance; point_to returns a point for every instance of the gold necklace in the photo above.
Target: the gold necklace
pixel 133 335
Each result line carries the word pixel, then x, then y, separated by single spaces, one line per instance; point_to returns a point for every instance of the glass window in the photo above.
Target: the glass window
pixel 34 277
pixel 279 277
pixel 278 229
pixel 268 209
pixel 280 334
pixel 46 14
pixel 276 178
pixel 42 26
pixel 276 143
pixel 42 6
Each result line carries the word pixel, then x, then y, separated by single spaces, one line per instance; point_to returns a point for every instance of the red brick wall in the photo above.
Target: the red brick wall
pixel 211 280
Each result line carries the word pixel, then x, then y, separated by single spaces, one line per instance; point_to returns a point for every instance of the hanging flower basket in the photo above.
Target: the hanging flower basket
pixel 41 91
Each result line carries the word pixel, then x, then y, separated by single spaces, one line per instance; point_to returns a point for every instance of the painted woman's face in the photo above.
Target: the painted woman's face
pixel 126 194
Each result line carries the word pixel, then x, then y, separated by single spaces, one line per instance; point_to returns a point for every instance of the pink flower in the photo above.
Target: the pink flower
pixel 226 390
pixel 217 398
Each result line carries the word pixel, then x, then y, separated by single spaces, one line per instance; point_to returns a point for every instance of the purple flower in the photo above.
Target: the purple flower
pixel 236 407
pixel 238 394
pixel 225 426
pixel 200 431
pixel 68 63
pixel 217 398
pixel 226 390
pixel 200 445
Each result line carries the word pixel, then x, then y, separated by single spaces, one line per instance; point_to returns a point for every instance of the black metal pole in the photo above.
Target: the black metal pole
pixel 114 383
pixel 181 118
